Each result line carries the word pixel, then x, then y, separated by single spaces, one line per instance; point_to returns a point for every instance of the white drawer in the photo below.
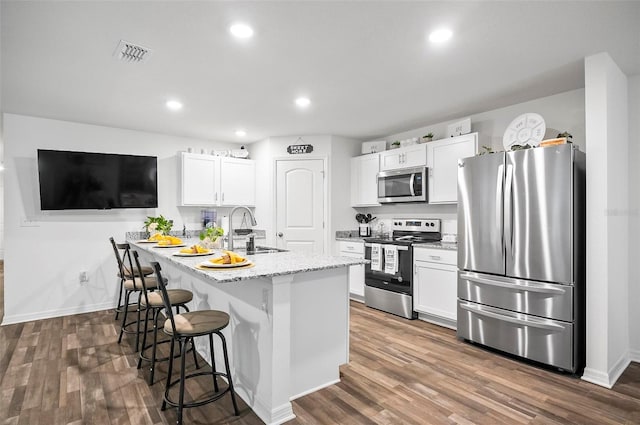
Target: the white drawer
pixel 434 255
pixel 352 247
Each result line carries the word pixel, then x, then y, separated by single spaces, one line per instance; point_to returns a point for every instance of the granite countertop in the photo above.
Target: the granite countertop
pixel 351 239
pixel 266 265
pixel 451 246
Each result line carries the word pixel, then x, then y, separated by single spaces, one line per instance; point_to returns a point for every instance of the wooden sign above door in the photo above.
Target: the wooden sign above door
pixel 298 149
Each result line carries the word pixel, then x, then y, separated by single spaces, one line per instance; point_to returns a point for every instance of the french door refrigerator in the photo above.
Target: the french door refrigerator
pixel 521 253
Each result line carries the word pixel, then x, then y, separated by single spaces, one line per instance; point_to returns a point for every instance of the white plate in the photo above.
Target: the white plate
pixel 527 129
pixel 171 246
pixel 146 241
pixel 223 266
pixel 199 254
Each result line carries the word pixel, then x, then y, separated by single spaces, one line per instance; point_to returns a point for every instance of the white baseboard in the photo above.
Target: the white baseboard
pixel 313 390
pixel 276 416
pixel 356 297
pixel 634 356
pixel 440 321
pixel 596 377
pixel 49 314
pixel 609 378
pixel 618 369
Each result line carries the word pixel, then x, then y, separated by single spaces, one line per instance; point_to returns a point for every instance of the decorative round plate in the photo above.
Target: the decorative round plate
pixel 527 129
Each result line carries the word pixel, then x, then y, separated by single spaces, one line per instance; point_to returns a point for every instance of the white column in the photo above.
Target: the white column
pixel 281 409
pixel 606 110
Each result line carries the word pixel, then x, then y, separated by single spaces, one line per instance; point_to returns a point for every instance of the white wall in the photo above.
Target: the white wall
pixel 335 150
pixel 562 112
pixel 42 263
pixel 634 216
pixel 342 215
pixel 607 127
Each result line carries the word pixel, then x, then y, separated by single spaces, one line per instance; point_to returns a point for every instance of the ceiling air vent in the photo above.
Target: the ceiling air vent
pixel 130 52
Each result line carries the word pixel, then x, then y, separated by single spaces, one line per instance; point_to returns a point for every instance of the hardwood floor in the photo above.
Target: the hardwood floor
pixel 71 370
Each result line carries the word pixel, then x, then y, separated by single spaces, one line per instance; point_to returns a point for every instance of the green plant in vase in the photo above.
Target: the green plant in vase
pixel 157 226
pixel 211 236
pixel 427 137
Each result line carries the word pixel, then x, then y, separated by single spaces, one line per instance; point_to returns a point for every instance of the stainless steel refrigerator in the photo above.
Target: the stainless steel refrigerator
pixel 521 253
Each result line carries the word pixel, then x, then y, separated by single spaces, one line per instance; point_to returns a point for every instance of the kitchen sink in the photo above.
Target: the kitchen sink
pixel 264 250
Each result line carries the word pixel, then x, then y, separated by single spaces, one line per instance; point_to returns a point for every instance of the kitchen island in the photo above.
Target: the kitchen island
pixel 289 327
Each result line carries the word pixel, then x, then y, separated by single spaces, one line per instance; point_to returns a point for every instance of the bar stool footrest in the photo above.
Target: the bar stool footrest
pixel 214 397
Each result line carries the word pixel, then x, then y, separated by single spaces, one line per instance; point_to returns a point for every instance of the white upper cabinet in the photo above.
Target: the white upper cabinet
pixel 409 156
pixel 199 179
pixel 208 180
pixel 442 160
pixel 237 182
pixel 364 181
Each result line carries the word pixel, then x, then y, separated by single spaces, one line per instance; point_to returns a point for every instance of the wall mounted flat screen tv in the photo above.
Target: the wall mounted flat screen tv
pixel 96 181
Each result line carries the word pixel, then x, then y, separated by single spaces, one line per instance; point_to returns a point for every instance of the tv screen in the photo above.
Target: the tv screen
pixel 84 180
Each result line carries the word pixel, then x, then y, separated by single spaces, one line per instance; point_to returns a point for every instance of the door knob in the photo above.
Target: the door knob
pixel 280 234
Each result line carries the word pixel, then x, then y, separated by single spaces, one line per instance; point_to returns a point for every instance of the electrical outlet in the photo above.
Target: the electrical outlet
pixel 84 277
pixel 27 222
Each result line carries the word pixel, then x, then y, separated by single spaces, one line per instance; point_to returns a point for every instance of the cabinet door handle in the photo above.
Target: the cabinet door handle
pixel 435 257
pixel 216 197
pixel 222 196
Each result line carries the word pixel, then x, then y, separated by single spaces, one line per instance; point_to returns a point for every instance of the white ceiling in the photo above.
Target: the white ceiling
pixel 366 66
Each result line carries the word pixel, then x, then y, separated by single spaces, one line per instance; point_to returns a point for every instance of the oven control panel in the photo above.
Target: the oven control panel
pixel 416 225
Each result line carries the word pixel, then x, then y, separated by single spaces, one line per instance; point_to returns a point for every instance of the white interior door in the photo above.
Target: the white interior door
pixel 300 205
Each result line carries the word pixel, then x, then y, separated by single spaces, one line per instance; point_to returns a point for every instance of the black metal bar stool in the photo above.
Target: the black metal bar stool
pixel 183 328
pixel 128 274
pixel 153 304
pixel 133 285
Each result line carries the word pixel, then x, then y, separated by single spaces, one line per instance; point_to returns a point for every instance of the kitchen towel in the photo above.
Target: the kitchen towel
pixel 376 257
pixel 391 259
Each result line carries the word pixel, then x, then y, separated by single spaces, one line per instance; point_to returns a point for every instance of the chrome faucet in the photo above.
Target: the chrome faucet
pixel 230 236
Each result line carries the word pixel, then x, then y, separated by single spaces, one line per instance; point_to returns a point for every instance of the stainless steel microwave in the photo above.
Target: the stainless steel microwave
pixel 404 185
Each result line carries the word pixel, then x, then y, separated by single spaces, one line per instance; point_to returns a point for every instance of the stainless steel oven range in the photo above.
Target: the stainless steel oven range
pixel 389 277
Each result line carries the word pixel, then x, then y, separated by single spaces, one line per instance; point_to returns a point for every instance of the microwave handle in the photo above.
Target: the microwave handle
pixel 411 183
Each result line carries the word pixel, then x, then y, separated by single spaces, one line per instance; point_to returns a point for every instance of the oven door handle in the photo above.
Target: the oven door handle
pixel 399 247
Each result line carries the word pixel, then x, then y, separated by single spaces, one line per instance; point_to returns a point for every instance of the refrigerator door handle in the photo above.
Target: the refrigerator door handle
pixel 533 323
pixel 499 189
pixel 515 284
pixel 508 213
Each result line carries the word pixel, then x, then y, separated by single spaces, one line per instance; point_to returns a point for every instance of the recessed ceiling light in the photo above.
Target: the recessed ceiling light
pixel 240 30
pixel 303 102
pixel 241 133
pixel 174 105
pixel 440 35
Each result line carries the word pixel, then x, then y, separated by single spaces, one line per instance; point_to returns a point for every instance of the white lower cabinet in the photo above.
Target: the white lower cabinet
pixel 435 285
pixel 354 249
